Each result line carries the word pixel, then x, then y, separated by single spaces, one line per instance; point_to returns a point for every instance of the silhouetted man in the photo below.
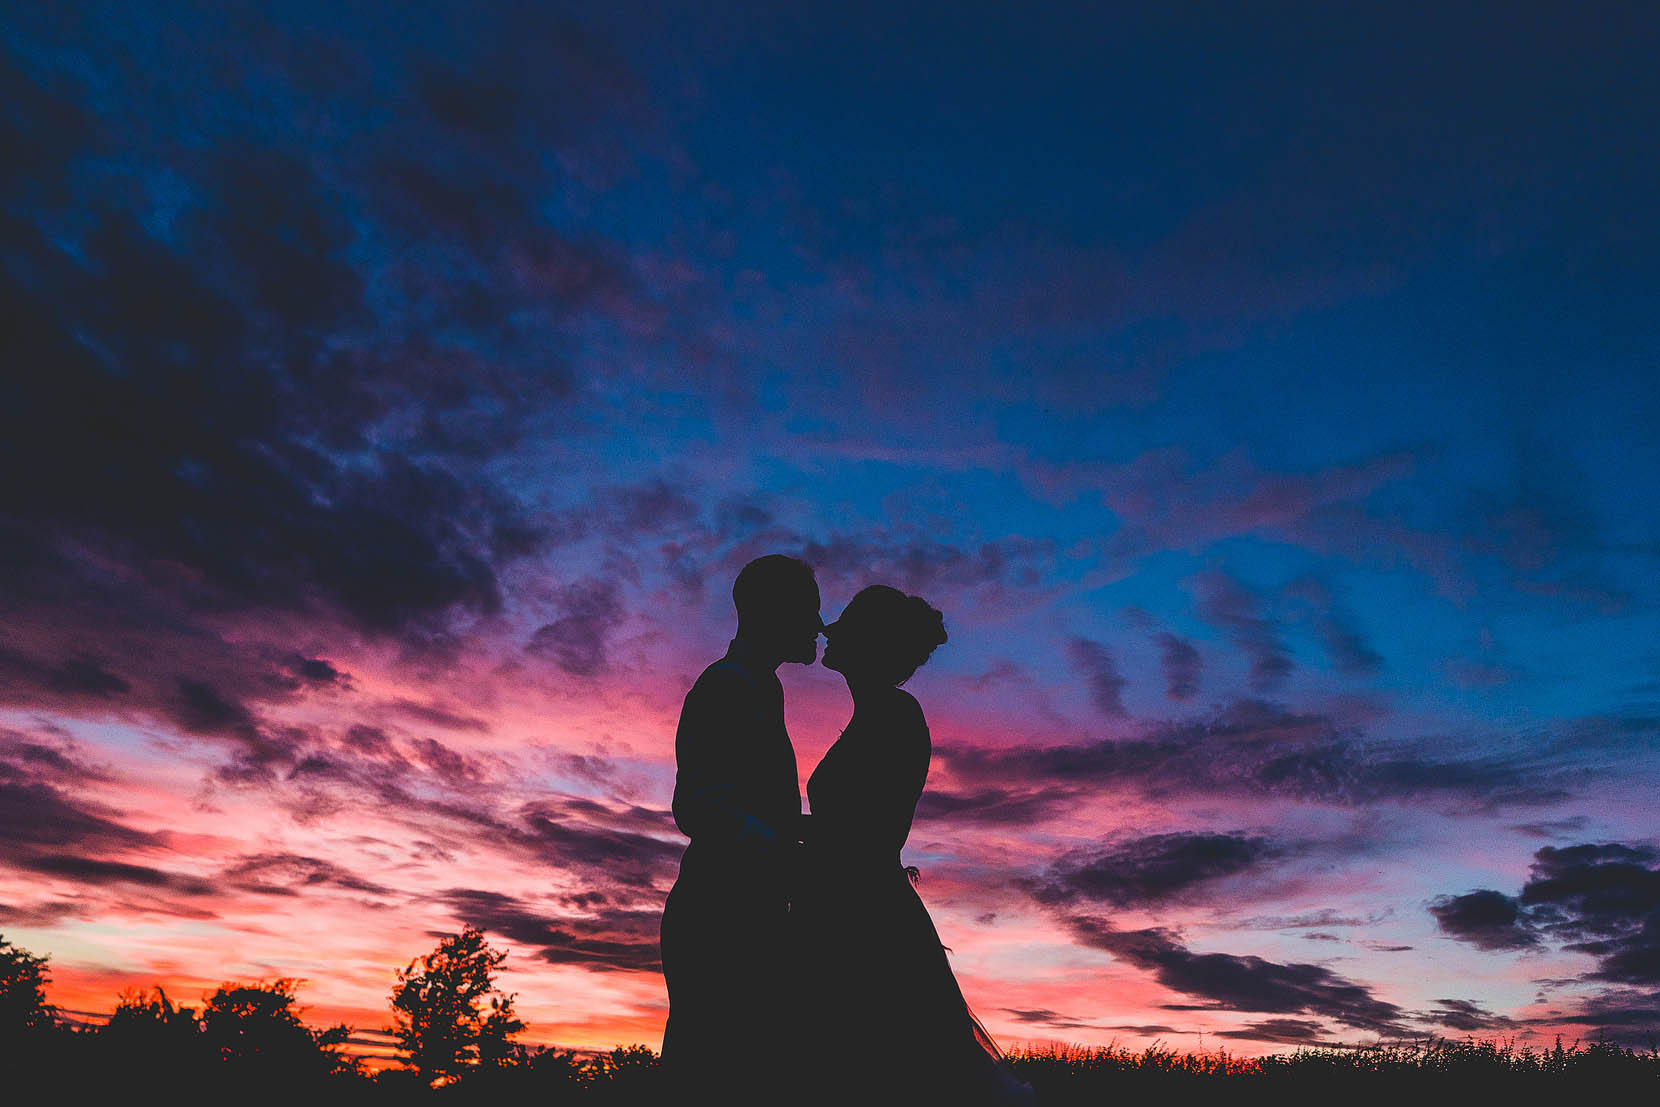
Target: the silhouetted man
pixel 737 798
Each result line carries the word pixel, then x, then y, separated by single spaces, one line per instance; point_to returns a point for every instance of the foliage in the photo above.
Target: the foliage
pixel 147 1031
pixel 440 1022
pixel 23 979
pixel 256 1028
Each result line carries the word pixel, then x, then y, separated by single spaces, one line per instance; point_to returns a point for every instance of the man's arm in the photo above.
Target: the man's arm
pixel 716 723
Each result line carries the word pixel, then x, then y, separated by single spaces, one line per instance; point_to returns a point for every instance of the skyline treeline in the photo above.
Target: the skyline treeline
pixel 456 1034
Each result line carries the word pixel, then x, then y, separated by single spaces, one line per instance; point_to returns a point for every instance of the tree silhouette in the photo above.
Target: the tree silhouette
pixel 438 1006
pixel 256 1029
pixel 147 1030
pixel 23 977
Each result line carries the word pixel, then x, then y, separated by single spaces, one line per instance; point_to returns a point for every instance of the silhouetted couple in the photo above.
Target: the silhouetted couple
pixel 801 965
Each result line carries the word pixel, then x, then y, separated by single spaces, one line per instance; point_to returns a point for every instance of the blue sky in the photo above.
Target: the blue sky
pixel 1267 397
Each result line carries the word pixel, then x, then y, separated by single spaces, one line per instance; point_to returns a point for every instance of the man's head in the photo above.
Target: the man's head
pixel 777 601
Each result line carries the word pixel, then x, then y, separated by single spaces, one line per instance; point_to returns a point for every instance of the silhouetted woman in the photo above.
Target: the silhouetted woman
pixel 886 1020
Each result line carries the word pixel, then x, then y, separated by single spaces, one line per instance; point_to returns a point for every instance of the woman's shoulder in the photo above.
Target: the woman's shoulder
pixel 907 714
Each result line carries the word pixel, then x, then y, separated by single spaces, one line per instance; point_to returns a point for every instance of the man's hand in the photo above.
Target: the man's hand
pixel 754 830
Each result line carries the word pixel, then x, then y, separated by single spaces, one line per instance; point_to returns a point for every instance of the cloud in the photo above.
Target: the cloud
pixel 1043 1016
pixel 1323 917
pixel 1484 918
pixel 603 940
pixel 1106 686
pixel 262 376
pixel 607 846
pixel 1166 500
pixel 991 806
pixel 1605 900
pixel 1224 602
pixel 1553 828
pixel 1623 1015
pixel 1281 1031
pixel 1348 649
pixel 1158 868
pixel 437 715
pixel 289 874
pixel 1464 1014
pixel 1182 666
pixel 98 871
pixel 1234 983
pixel 35 815
pixel 1251 747
pixel 1597 898
pixel 590 611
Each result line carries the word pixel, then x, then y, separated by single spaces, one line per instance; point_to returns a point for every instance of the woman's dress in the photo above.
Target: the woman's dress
pixel 888 1021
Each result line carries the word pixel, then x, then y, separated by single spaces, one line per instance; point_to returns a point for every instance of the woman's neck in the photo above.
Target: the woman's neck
pixel 866 691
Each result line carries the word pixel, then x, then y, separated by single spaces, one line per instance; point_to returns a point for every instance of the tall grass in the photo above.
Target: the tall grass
pixel 1433 1070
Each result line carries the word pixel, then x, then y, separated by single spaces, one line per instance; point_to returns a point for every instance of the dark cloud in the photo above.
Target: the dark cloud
pixel 611 847
pixel 654 508
pixel 315 670
pixel 1553 828
pixel 98 871
pixel 1158 868
pixel 200 708
pixel 1349 651
pixel 604 939
pixel 262 367
pixel 1334 624
pixel 1624 1015
pixel 44 913
pixel 1182 665
pixel 1042 1016
pixel 49 828
pixel 1597 898
pixel 1603 900
pixel 991 806
pixel 1226 603
pixel 440 716
pixel 1235 983
pixel 1256 748
pixel 1281 1031
pixel 289 874
pixel 1464 1014
pixel 1484 918
pixel 371 741
pixel 1100 672
pixel 590 611
pixel 35 815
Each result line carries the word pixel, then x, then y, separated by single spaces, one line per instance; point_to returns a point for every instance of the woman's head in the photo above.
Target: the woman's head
pixel 883 635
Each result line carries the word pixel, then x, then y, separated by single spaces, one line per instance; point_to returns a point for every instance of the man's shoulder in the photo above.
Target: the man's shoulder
pixel 725 677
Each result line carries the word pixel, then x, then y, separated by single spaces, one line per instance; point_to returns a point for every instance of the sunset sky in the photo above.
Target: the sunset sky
pixel 1268 394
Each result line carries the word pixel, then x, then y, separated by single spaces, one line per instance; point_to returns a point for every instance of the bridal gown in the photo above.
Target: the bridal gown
pixel 885 1019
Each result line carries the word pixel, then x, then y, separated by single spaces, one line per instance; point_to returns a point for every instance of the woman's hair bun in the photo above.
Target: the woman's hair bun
pixel 912 627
